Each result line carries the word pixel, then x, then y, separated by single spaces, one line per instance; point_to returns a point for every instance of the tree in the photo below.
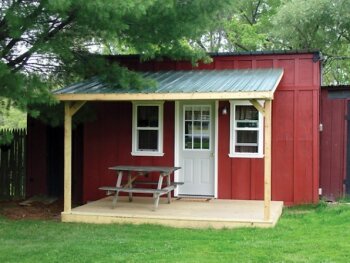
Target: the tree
pixel 244 26
pixel 46 43
pixel 317 24
pixel 251 25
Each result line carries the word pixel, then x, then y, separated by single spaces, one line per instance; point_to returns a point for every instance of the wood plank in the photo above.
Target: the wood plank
pixel 144 169
pixel 67 158
pixel 267 160
pixel 166 96
pixel 76 106
pixel 155 183
pixel 257 106
pixel 132 190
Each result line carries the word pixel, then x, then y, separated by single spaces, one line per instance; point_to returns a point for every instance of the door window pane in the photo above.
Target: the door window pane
pixel 188 113
pixel 197 143
pixel 206 113
pixel 205 128
pixel 188 127
pixel 205 143
pixel 197 113
pixel 188 142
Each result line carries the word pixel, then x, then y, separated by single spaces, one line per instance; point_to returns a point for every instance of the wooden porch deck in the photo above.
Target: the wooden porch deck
pixel 187 213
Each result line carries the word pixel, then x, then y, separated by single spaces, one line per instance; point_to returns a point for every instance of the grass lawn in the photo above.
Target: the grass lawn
pixel 304 234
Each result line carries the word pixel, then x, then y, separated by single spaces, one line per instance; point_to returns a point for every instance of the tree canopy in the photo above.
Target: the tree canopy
pixel 48 43
pixel 45 43
pixel 317 24
pixel 250 25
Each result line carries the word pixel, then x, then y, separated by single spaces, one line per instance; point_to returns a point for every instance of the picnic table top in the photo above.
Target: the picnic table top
pixel 142 168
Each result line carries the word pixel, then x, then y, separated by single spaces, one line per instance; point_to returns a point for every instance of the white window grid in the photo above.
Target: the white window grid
pixel 186 107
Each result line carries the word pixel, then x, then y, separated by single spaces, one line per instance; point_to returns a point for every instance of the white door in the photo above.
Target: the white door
pixel 196 148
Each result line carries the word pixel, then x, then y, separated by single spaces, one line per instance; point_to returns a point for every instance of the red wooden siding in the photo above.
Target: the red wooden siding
pixel 36 170
pixel 295 135
pixel 107 142
pixel 44 171
pixel 333 146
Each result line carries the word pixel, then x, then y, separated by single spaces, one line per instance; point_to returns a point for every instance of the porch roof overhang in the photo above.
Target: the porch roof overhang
pixel 183 85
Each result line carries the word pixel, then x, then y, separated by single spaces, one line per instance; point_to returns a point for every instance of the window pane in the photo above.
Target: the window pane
pixel 205 127
pixel 188 127
pixel 247 124
pixel 205 113
pixel 197 142
pixel 197 113
pixel 246 149
pixel 188 113
pixel 197 129
pixel 247 137
pixel 188 142
pixel 147 116
pixel 205 143
pixel 245 112
pixel 147 140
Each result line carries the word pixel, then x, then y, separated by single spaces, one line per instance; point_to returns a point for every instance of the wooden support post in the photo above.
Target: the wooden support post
pixel 67 158
pixel 69 110
pixel 267 159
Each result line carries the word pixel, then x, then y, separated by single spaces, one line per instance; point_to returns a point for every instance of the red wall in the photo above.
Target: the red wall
pixel 36 170
pixel 333 146
pixel 107 142
pixel 295 136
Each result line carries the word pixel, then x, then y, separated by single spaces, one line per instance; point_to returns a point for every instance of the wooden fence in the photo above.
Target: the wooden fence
pixel 13 166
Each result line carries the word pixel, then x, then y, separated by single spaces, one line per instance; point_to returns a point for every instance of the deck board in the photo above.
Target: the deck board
pixel 180 213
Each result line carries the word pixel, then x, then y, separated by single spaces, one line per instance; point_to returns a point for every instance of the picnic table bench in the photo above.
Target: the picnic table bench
pixel 134 172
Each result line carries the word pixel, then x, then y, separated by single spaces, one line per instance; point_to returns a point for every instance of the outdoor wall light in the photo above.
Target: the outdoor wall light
pixel 224 110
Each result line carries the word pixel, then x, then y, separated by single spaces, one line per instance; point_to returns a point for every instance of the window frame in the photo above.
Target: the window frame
pixel 135 128
pixel 233 129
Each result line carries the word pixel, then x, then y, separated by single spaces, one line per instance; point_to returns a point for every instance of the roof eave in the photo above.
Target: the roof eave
pixel 265 95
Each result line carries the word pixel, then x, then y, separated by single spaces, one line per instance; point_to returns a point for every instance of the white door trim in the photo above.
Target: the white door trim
pixel 177 145
pixel 216 148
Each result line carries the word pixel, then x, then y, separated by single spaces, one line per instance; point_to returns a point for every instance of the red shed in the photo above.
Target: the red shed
pixel 245 126
pixel 335 143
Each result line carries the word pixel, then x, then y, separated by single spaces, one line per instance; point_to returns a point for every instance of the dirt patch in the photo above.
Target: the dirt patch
pixel 36 210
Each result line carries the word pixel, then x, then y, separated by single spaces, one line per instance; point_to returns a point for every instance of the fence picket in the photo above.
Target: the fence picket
pixel 12 166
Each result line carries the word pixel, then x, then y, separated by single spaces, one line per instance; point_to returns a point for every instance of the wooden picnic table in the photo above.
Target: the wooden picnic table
pixel 134 173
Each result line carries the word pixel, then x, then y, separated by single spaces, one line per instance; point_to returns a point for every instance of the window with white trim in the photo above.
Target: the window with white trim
pixel 147 139
pixel 246 136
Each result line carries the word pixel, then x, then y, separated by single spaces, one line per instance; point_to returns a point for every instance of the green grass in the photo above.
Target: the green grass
pixel 304 234
pixel 345 199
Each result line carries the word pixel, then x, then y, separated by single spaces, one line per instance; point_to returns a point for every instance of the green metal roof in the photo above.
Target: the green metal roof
pixel 192 81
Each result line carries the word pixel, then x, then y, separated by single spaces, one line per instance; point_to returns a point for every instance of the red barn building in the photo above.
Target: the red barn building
pixel 243 127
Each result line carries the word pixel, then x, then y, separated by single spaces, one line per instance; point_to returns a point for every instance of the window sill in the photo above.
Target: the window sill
pixel 246 155
pixel 147 154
